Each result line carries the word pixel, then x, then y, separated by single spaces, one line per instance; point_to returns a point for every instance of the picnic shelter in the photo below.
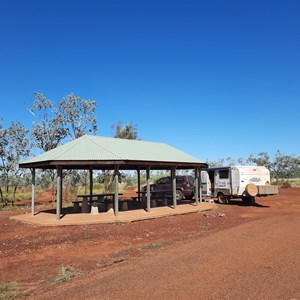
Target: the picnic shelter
pixel 104 153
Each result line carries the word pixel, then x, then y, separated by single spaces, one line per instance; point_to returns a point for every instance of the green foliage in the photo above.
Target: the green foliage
pixel 43 179
pixel 262 159
pixel 106 178
pixel 21 194
pixel 9 291
pixel 127 131
pixel 281 167
pixel 78 115
pixel 14 146
pixel 65 274
pixel 48 128
pixel 72 118
pixel 285 166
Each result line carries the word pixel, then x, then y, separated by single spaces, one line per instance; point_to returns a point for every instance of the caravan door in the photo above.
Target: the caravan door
pixel 222 181
pixel 205 184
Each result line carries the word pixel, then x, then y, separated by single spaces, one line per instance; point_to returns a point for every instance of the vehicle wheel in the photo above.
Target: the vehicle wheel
pixel 222 198
pixel 179 195
pixel 248 200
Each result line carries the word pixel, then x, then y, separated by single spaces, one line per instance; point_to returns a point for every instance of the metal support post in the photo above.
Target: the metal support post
pixel 139 184
pixel 32 191
pixel 91 184
pixel 59 193
pixel 116 199
pixel 173 178
pixel 197 185
pixel 148 188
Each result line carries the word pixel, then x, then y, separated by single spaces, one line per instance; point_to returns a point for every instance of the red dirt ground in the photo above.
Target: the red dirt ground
pixel 33 255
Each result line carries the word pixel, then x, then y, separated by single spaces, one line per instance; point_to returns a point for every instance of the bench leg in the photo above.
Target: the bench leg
pixel 123 205
pixel 153 203
pixel 109 206
pixel 143 203
pixel 85 207
pixel 76 208
pixel 164 202
pixel 102 207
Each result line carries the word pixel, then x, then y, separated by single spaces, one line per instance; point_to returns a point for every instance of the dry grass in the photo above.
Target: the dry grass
pixel 65 274
pixel 288 183
pixel 9 291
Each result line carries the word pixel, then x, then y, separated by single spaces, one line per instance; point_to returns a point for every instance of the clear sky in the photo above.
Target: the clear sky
pixel 212 78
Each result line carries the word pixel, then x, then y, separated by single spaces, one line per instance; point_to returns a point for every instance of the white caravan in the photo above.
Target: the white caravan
pixel 244 182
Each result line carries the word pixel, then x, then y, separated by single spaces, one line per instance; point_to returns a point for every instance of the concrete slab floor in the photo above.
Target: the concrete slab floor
pixel 46 218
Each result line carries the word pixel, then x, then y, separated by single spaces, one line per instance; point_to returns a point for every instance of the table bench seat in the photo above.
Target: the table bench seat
pixel 76 206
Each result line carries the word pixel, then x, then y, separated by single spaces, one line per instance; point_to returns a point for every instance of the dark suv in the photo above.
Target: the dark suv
pixel 184 186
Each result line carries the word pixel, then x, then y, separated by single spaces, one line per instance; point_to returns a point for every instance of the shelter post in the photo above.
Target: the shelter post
pixel 148 188
pixel 197 185
pixel 32 190
pixel 173 179
pixel 139 183
pixel 59 193
pixel 91 184
pixel 61 190
pixel 116 199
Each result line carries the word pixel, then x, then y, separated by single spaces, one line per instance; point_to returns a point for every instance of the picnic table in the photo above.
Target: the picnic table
pixel 101 199
pixel 157 195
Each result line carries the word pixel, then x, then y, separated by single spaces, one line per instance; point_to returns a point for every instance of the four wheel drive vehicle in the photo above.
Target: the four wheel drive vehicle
pixel 184 186
pixel 246 182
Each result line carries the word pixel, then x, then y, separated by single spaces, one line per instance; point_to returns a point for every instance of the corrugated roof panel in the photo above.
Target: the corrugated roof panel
pixel 104 148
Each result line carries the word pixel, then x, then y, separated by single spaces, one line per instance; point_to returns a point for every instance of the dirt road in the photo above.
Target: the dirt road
pixel 252 252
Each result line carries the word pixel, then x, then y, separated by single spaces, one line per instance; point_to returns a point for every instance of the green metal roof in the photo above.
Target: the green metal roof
pixel 96 148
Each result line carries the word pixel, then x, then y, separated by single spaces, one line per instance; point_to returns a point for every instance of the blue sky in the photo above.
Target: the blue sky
pixel 212 78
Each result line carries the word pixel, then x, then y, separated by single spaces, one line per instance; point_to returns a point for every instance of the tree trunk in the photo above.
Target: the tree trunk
pixel 6 190
pixel 1 193
pixel 14 195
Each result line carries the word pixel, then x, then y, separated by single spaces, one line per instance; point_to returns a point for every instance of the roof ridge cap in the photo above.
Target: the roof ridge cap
pixel 99 144
pixel 75 142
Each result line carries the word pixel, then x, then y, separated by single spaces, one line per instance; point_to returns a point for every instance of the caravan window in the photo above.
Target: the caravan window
pixel 224 174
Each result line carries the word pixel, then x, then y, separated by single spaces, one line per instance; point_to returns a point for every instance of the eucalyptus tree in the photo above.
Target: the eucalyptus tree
pixel 122 131
pixel 48 128
pixel 15 145
pixel 261 159
pixel 127 131
pixel 78 115
pixel 285 166
pixel 55 123
pixel 79 118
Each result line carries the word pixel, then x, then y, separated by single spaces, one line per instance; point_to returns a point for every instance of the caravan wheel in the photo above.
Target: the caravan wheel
pixel 222 198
